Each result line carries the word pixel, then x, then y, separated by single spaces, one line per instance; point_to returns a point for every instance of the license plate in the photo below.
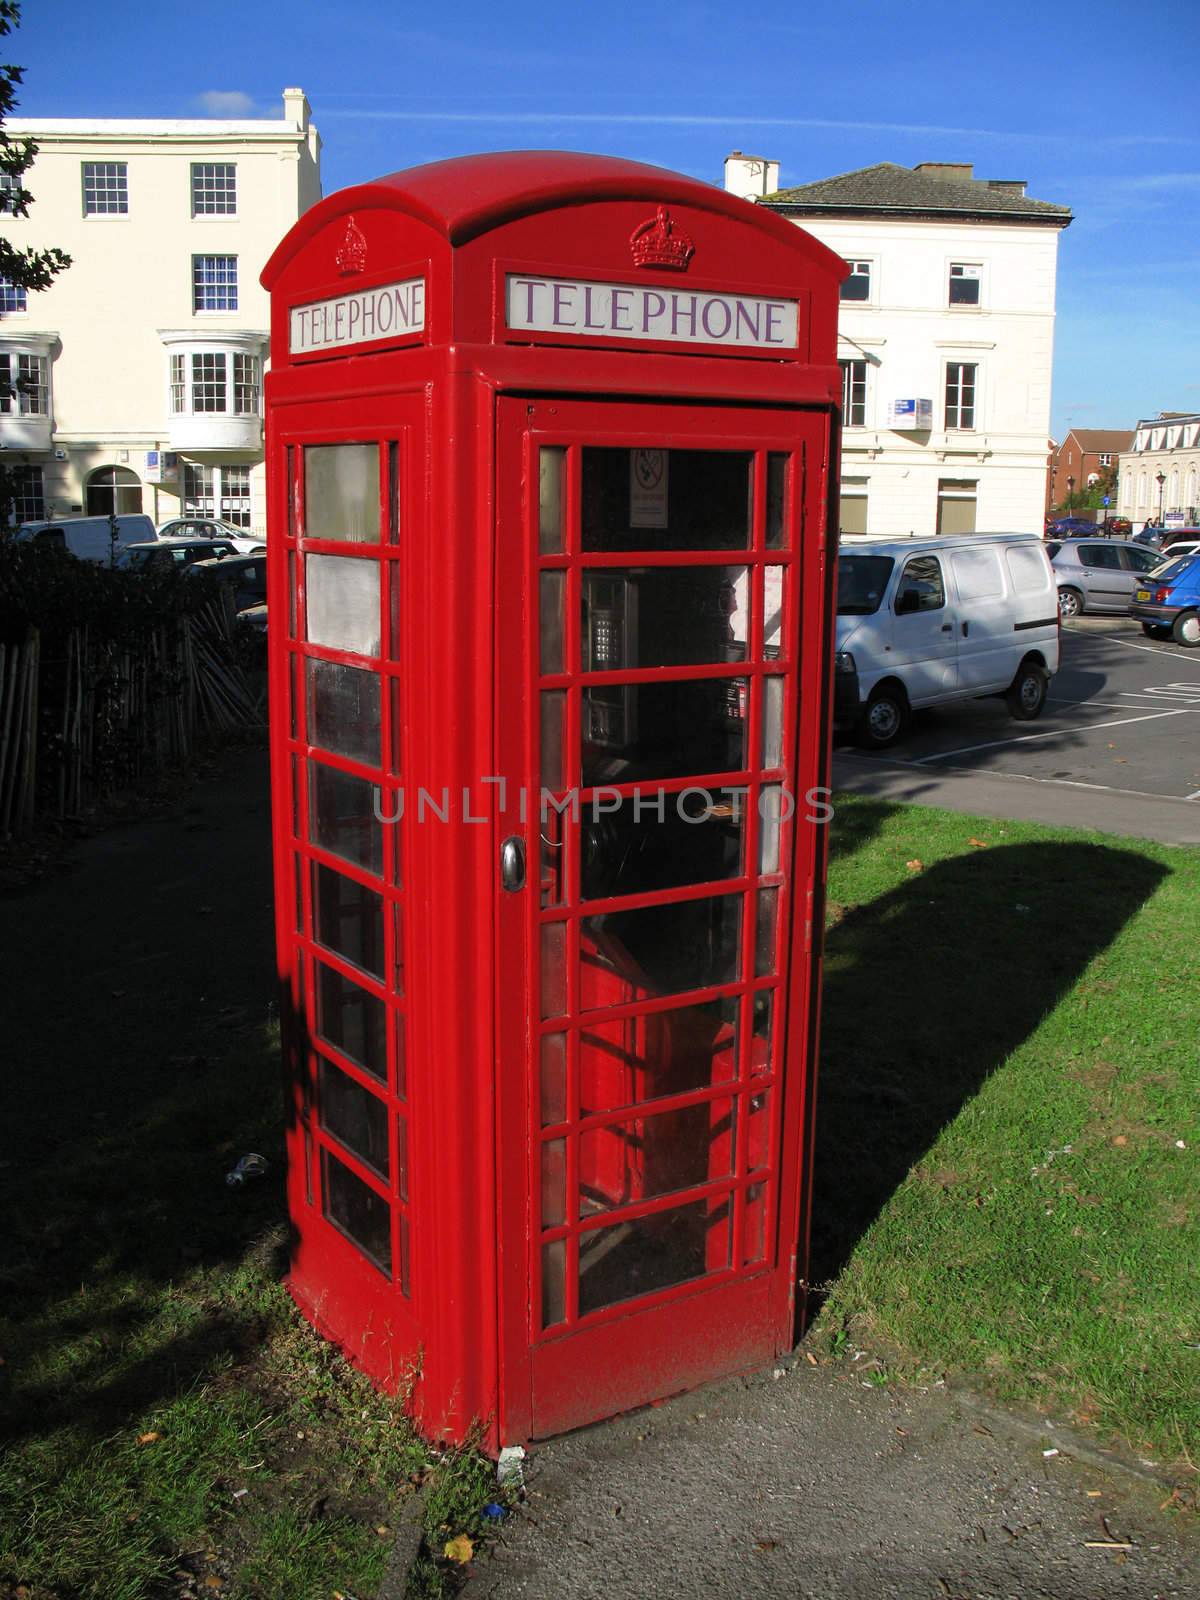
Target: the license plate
pixel 1143 594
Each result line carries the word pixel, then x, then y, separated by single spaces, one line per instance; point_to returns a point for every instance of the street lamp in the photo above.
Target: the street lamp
pixel 1160 479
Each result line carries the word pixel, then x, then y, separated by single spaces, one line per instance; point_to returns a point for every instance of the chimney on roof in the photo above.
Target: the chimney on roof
pixel 750 177
pixel 295 108
pixel 1015 186
pixel 948 171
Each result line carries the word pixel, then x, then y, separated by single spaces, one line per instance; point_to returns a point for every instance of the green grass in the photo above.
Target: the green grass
pixel 154 1369
pixel 1008 1124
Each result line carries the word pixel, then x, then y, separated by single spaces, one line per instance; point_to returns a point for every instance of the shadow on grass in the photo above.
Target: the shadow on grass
pixel 928 989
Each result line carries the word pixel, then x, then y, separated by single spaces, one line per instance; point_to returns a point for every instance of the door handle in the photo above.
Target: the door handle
pixel 947 627
pixel 965 626
pixel 512 863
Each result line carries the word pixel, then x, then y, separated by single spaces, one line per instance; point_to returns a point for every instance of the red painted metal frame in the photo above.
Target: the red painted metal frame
pixel 461 1335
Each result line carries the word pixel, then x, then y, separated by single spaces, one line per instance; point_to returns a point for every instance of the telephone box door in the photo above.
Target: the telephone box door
pixel 659 716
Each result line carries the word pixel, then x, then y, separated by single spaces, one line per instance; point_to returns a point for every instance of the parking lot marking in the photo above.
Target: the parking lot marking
pixel 1052 733
pixel 1150 649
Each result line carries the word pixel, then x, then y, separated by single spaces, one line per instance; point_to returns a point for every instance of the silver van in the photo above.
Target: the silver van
pixel 924 621
pixel 89 538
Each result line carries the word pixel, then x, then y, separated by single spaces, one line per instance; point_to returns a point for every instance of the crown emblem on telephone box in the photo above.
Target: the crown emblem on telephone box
pixel 657 242
pixel 352 252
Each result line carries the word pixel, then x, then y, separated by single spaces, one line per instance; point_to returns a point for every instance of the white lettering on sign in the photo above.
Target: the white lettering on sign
pixel 391 311
pixel 637 311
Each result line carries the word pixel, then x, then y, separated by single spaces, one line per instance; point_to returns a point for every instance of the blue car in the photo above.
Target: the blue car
pixel 1167 602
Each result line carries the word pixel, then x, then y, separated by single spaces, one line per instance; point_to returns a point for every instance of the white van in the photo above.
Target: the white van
pixel 89 538
pixel 923 621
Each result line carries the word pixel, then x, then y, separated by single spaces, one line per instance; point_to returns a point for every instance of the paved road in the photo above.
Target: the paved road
pixel 1117 747
pixel 819 1486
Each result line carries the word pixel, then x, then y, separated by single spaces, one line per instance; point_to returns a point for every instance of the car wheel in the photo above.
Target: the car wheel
pixel 1070 602
pixel 883 719
pixel 1186 629
pixel 1027 693
pixel 1154 630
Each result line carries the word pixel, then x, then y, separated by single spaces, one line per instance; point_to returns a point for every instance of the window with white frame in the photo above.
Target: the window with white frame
pixel 13 297
pixel 960 394
pixel 858 285
pixel 966 279
pixel 217 491
pixel 228 382
pixel 1106 458
pixel 105 189
pixel 24 386
pixel 28 492
pixel 214 283
pixel 214 189
pixel 10 188
pixel 854 393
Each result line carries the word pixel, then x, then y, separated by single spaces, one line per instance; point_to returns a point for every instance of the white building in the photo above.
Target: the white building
pixel 945 339
pixel 1160 476
pixel 141 367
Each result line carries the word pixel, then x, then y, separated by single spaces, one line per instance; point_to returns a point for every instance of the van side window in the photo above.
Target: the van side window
pixel 1028 568
pixel 921 586
pixel 51 539
pixel 977 574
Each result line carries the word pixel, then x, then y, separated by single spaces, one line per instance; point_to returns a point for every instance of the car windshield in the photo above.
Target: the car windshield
pixel 1174 568
pixel 861 582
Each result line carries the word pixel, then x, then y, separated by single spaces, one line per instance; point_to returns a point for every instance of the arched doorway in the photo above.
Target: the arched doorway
pixel 113 489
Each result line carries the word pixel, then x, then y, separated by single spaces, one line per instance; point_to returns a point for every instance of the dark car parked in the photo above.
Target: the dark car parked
pixel 247 575
pixel 172 553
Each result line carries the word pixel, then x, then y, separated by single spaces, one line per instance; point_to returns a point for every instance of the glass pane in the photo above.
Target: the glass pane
pixel 659 842
pixel 772 613
pixel 776 502
pixel 760 1043
pixel 650 1156
pixel 552 588
pixel 354 1116
pixel 772 746
pixel 554 969
pixel 343 710
pixel 342 599
pixel 664 617
pixel 348 919
pixel 554 1078
pixel 357 1211
pixel 764 933
pixel 554 712
pixel 770 820
pixel 554 1183
pixel 754 1228
pixel 341 492
pixel 551 499
pixel 342 816
pixel 554 1283
pixel 634 1059
pixel 663 730
pixel 659 950
pixel 651 1253
pixel 758 1134
pixel 352 1020
pixel 699 501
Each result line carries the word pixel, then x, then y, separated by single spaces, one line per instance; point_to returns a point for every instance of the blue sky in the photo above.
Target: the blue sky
pixel 1093 103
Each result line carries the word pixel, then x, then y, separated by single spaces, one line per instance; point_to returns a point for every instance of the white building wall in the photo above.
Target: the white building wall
pixel 908 332
pixel 131 281
pixel 1166 445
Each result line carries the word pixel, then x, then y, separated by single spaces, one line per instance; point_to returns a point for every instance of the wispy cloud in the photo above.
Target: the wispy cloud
pixel 732 120
pixel 225 103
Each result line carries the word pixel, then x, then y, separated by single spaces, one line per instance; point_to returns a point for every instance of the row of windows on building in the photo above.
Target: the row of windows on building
pixel 207 491
pixel 105 187
pixel 961 388
pixel 1177 492
pixel 202 382
pixel 964 283
pixel 214 287
pixel 957 501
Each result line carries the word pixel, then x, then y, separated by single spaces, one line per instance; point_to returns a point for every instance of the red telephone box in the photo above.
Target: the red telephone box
pixel 552 450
